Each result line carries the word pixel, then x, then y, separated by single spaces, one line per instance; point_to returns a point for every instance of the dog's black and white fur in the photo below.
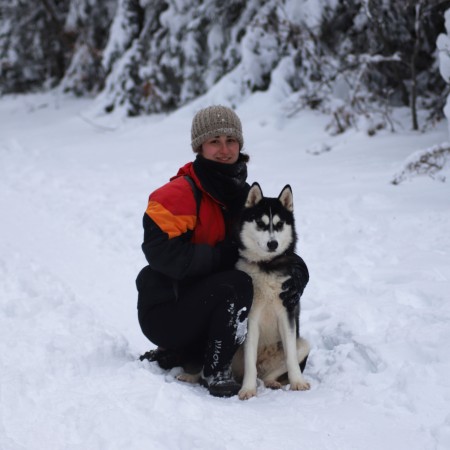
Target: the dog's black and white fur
pixel 272 346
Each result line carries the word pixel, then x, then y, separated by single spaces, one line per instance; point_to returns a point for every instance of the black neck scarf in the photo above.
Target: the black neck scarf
pixel 224 182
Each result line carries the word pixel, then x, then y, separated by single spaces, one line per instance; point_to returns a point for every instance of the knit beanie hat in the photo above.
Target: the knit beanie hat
pixel 214 121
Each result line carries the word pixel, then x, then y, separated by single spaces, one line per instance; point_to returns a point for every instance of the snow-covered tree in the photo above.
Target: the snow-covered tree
pixel 46 42
pixel 88 21
pixel 381 54
pixel 432 161
pixel 34 48
pixel 180 50
pixel 443 44
pixel 353 59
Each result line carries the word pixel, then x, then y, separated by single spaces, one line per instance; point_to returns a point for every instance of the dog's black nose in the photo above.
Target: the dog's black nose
pixel 272 245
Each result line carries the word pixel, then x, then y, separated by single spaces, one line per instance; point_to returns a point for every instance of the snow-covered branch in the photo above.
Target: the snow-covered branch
pixel 428 162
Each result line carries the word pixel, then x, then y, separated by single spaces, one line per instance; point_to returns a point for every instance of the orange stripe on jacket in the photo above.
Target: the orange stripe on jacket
pixel 173 225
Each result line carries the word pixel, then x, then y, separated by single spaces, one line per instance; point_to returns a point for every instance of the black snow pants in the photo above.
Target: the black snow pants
pixel 207 323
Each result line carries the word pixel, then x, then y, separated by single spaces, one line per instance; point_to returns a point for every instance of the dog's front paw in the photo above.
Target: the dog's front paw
pixel 273 384
pixel 300 385
pixel 247 393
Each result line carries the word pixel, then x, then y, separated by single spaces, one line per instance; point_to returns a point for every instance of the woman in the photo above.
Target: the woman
pixel 192 303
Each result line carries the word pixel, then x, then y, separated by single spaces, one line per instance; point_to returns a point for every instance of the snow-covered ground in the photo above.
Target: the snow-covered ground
pixel 376 311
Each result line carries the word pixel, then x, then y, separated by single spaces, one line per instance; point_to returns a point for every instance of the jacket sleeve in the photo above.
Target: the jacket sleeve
pixel 168 226
pixel 302 273
pixel 302 267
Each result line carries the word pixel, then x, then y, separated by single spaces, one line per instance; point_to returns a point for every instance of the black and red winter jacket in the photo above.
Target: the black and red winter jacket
pixel 179 245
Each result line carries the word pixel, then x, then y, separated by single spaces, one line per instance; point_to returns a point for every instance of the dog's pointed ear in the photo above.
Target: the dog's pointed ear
pixel 254 195
pixel 286 198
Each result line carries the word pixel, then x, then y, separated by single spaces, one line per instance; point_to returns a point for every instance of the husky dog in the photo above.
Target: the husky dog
pixel 272 346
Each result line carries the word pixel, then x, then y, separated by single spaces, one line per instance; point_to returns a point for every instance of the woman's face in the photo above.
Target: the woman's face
pixel 222 149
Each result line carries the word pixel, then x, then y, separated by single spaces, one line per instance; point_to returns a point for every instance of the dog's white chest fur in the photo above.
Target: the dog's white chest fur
pixel 267 305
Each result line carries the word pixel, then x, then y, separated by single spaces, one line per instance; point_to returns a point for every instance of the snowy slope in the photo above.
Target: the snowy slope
pixel 376 311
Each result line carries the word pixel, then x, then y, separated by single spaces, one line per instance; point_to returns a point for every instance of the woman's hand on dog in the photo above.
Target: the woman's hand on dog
pixel 294 286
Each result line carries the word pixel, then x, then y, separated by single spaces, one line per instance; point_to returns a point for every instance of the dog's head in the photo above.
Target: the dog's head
pixel 267 226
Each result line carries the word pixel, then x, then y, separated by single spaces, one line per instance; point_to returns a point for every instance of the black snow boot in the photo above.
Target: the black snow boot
pixel 221 383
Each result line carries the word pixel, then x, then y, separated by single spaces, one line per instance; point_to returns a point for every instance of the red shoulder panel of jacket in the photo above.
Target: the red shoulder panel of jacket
pixel 172 207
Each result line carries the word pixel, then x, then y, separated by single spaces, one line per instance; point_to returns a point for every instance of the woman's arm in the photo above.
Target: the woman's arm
pixel 176 256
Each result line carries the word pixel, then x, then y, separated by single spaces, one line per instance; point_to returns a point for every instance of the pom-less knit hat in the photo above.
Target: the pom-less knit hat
pixel 214 121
